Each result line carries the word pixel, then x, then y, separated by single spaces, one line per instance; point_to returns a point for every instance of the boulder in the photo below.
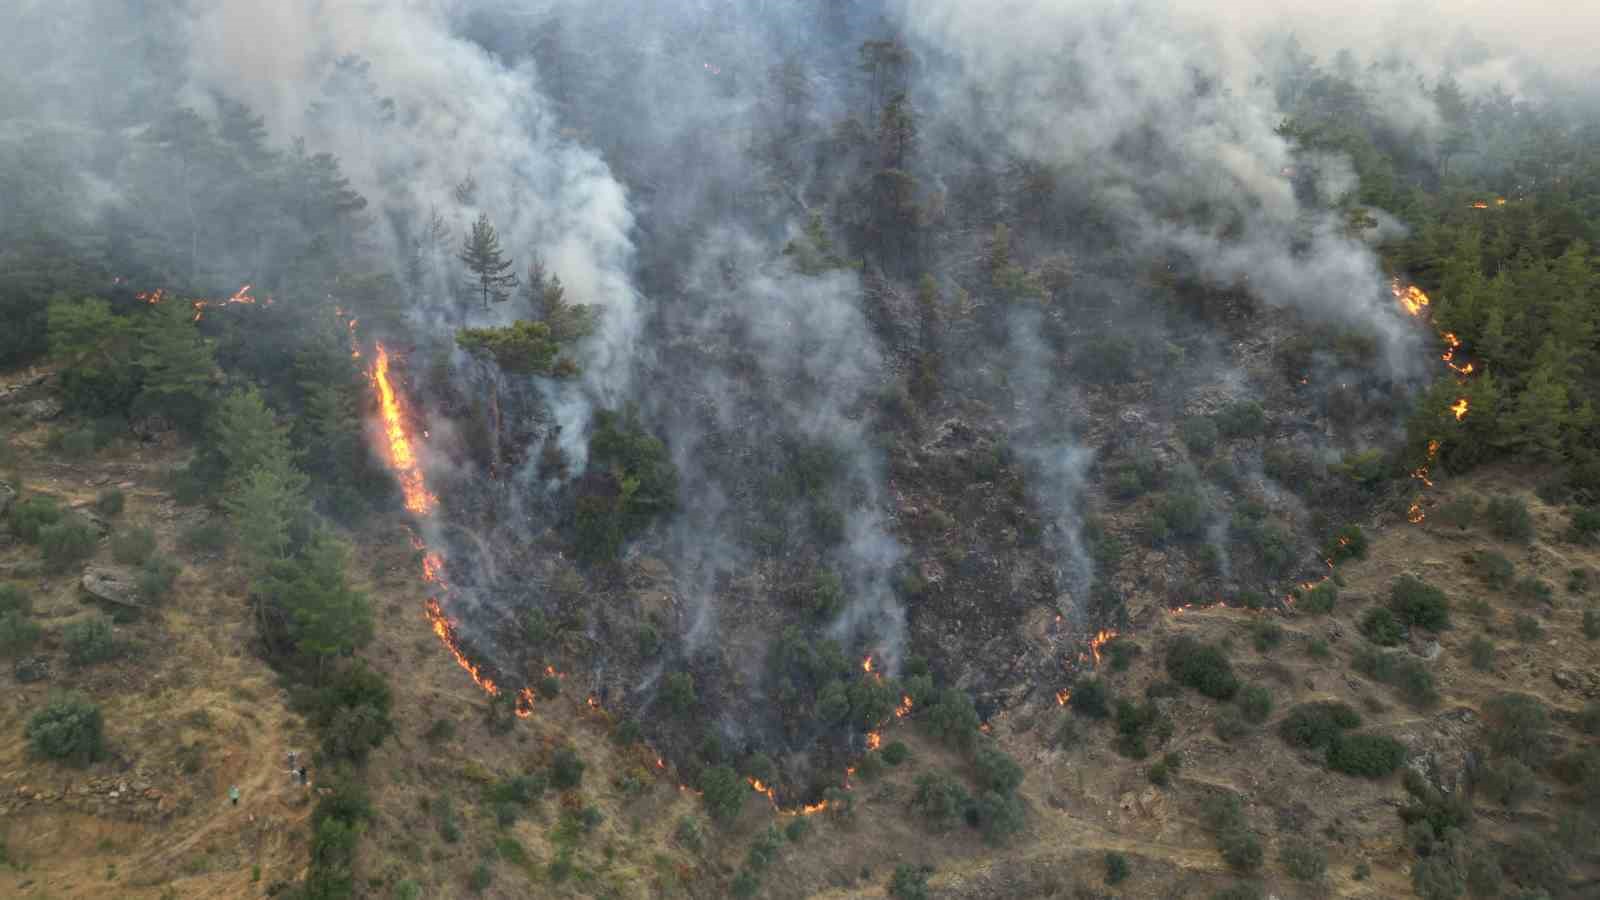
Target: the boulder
pixel 43 409
pixel 8 496
pixel 113 584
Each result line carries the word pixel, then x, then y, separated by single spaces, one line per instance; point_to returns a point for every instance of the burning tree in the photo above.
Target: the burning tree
pixel 480 253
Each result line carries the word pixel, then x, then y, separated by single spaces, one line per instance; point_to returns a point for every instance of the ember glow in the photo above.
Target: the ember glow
pixel 904 709
pixel 1415 515
pixel 1460 409
pixel 401 457
pixel 874 740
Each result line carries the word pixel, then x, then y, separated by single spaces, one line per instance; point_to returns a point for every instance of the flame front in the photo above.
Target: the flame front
pixel 401 457
pixel 1100 639
pixel 874 740
pixel 1460 409
pixel 1412 299
pixel 1415 515
pixel 1062 696
pixel 904 709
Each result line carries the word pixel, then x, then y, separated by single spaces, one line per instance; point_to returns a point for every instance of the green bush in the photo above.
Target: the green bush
pixel 1584 527
pixel 633 481
pixel 798 829
pixel 1591 624
pixel 1203 667
pixel 203 537
pixel 14 599
pixel 1229 724
pixel 679 692
pixel 68 729
pixel 1532 592
pixel 690 833
pixel 91 641
pixel 1241 419
pixel 952 718
pixel 1480 651
pixel 1121 652
pixel 110 502
pixel 156 577
pixel 78 444
pixel 1366 755
pixel 1506 782
pixel 1319 600
pixel 997 771
pixel 1199 434
pixel 1116 867
pixel 132 546
pixel 1527 627
pixel 1517 726
pixel 1091 699
pixel 1419 604
pixel 68 542
pixel 1223 817
pixel 942 800
pixel 1458 513
pixel 1318 649
pixel 1350 542
pixel 909 883
pixel 1509 519
pixel 1494 568
pixel 31 515
pixel 723 792
pixel 998 816
pixel 1317 725
pixel 18 632
pixel 1266 635
pixel 1380 626
pixel 1407 675
pixel 895 753
pixel 566 769
pixel 1255 703
pixel 1303 860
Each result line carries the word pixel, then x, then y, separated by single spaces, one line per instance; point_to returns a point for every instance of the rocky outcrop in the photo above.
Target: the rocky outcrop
pixel 8 496
pixel 113 584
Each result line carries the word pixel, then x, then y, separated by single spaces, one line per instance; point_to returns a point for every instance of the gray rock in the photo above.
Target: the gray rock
pixel 31 669
pixel 43 409
pixel 113 584
pixel 8 496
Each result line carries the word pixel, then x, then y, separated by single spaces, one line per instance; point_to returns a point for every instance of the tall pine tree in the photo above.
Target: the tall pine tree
pixel 491 271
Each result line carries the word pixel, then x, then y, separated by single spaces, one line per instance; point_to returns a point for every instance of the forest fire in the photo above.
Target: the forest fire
pixel 904 709
pixel 760 787
pixel 1062 696
pixel 401 458
pixel 1412 298
pixel 874 740
pixel 1460 409
pixel 1105 636
pixel 1415 515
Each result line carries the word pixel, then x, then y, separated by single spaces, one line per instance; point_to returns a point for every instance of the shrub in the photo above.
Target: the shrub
pixel 1527 627
pixel 1266 635
pixel 996 770
pixel 1239 892
pixel 998 816
pixel 1318 649
pixel 18 632
pixel 156 577
pixel 482 877
pixel 941 798
pixel 77 444
pixel 1509 519
pixel 1516 726
pixel 110 502
pixel 909 883
pixel 689 833
pixel 1532 592
pixel 1199 434
pixel 1591 624
pixel 1494 568
pixel 1458 513
pixel 952 718
pixel 1255 702
pixel 1407 675
pixel 1316 725
pixel 203 537
pixel 1116 868
pixel 679 692
pixel 91 641
pixel 1303 860
pixel 1203 667
pixel 1241 419
pixel 1506 782
pixel 1091 698
pixel 132 546
pixel 895 753
pixel 1480 651
pixel 1533 862
pixel 1320 599
pixel 1584 527
pixel 566 769
pixel 14 599
pixel 1366 755
pixel 1380 626
pixel 723 792
pixel 31 515
pixel 1229 724
pixel 1419 604
pixel 1350 542
pixel 1122 653
pixel 1134 722
pixel 67 542
pixel 1241 850
pixel 797 830
pixel 68 729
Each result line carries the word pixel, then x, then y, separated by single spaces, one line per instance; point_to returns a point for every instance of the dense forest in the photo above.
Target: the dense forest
pixel 855 327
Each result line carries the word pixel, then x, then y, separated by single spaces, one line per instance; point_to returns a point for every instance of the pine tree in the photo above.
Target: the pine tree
pixel 481 254
pixel 262 506
pixel 176 363
pixel 1542 414
pixel 248 437
pixel 328 617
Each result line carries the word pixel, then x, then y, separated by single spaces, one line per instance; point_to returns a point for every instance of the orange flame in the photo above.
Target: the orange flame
pixel 866 664
pixel 904 709
pixel 1460 409
pixel 1412 299
pixel 1415 515
pixel 874 740
pixel 761 788
pixel 1480 204
pixel 1100 640
pixel 401 458
pixel 1065 694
